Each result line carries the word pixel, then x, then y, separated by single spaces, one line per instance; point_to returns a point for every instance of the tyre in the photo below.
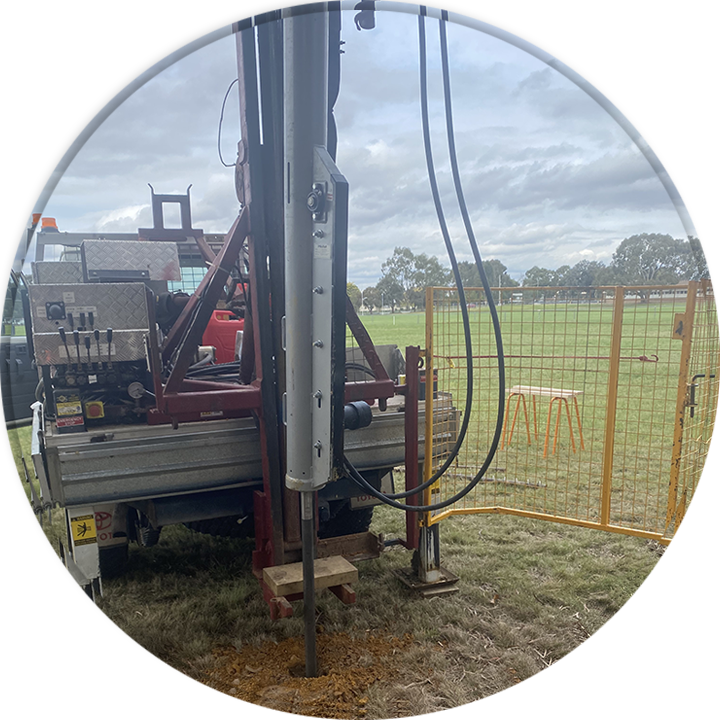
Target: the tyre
pixel 148 536
pixel 113 560
pixel 234 526
pixel 346 521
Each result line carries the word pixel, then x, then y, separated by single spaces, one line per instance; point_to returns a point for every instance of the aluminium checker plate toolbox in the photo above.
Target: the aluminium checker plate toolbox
pixel 151 260
pixel 55 272
pixel 120 306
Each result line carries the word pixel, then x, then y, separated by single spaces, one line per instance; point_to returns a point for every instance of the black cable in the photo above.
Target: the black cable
pixel 389 499
pixel 354 474
pixel 222 112
pixel 456 273
pixel 360 368
pixel 449 124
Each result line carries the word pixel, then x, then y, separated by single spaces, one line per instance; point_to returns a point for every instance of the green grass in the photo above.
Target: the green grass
pixel 401 329
pixel 529 591
pixel 568 346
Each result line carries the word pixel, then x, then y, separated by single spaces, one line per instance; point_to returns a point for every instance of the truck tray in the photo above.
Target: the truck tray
pixel 123 463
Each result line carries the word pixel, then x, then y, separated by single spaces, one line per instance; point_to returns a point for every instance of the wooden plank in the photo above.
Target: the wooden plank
pixel 330 571
pixel 344 593
pixel 543 391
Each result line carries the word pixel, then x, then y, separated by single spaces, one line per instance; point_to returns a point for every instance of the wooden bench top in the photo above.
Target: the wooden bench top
pixel 329 572
pixel 543 391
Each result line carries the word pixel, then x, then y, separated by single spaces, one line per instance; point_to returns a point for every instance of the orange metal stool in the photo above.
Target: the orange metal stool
pixel 555 394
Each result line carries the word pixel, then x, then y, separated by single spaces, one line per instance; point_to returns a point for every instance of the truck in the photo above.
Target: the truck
pixel 121 464
pixel 252 401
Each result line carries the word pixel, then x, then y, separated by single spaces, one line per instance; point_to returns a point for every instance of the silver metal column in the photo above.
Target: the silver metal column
pixel 305 38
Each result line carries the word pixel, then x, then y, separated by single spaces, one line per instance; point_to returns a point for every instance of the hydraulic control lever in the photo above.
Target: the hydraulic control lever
pixel 96 333
pixel 76 338
pixel 63 338
pixel 109 335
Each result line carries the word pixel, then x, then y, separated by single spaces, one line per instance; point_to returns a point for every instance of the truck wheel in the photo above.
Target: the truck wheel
pixel 113 560
pixel 148 536
pixel 225 526
pixel 346 521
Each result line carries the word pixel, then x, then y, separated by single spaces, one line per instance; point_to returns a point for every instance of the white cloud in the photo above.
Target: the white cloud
pixel 547 174
pixel 124 219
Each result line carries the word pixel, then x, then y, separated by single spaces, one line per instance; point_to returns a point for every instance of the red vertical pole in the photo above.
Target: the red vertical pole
pixel 412 386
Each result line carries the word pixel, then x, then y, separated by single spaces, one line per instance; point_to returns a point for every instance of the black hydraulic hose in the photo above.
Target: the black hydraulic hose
pixel 360 368
pixel 473 243
pixel 456 274
pixel 354 474
pixel 206 360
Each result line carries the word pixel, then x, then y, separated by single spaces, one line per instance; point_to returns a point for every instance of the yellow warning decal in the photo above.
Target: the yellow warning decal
pixel 83 530
pixel 68 408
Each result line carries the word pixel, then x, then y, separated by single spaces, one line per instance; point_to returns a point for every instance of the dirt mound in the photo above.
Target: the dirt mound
pixel 273 674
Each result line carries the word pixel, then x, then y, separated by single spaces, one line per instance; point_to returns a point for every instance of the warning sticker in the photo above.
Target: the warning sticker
pixel 69 408
pixel 83 530
pixel 70 421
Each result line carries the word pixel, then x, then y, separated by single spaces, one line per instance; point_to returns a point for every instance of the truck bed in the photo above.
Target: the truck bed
pixel 122 463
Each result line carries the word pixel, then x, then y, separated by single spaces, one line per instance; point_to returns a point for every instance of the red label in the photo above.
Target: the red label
pixel 69 421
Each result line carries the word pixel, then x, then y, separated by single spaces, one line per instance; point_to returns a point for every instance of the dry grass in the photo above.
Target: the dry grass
pixel 529 593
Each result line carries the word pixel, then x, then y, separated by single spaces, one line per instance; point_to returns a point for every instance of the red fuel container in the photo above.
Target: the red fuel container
pixel 221 332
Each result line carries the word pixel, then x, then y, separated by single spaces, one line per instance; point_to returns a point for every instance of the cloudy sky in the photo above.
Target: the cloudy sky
pixel 549 177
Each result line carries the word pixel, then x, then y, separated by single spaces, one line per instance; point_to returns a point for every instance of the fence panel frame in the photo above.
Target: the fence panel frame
pixel 620 300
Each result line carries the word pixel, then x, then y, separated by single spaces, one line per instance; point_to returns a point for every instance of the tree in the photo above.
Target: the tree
pixel 651 259
pixel 391 291
pixel 428 273
pixel 405 277
pixel 561 275
pixel 584 273
pixel 697 267
pixel 401 268
pixel 539 277
pixel 353 292
pixel 469 274
pixel 371 298
pixel 497 276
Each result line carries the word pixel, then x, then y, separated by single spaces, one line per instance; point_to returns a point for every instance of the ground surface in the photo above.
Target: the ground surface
pixel 273 673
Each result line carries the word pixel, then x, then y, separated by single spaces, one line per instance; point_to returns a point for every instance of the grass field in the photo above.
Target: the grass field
pixel 568 346
pixel 529 591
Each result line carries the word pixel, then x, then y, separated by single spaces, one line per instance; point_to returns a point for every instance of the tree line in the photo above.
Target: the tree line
pixel 646 259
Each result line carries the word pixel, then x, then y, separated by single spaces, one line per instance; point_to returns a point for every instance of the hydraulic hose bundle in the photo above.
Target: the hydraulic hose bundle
pixel 391 499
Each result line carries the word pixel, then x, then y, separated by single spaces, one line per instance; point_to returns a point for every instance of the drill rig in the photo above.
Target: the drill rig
pixel 137 427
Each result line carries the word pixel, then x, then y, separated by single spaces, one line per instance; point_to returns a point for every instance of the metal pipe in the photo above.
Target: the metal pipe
pixel 305 108
pixel 307 516
pixel 611 411
pixel 305 91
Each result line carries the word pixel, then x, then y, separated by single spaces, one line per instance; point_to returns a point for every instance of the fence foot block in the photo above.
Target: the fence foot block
pixel 445 585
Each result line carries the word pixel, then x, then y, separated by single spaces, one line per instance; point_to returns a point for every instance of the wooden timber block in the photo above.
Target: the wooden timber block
pixel 329 571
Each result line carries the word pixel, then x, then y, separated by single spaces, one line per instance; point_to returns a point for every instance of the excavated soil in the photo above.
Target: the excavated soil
pixel 273 674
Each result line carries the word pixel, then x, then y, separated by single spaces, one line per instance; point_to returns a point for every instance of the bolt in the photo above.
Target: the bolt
pixel 318 290
pixel 318 233
pixel 319 344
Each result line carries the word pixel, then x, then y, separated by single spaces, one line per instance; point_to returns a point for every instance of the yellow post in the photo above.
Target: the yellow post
pixel 612 395
pixel 428 462
pixel 683 329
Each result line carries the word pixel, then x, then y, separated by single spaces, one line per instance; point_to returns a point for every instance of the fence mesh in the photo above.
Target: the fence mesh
pixel 591 401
